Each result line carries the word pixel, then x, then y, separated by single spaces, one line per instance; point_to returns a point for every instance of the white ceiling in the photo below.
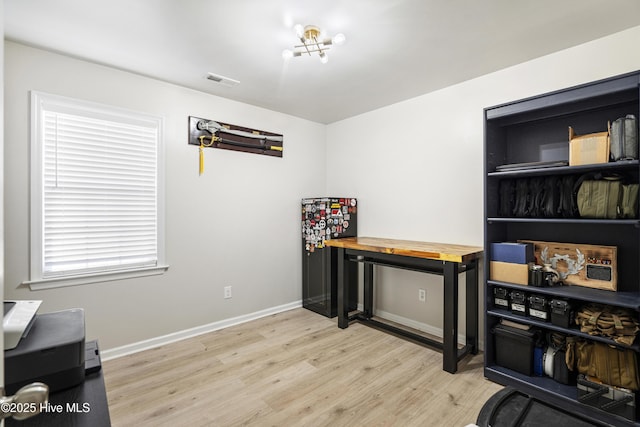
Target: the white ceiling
pixel 395 49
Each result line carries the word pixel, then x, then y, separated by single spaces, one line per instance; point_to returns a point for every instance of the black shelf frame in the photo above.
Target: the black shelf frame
pixel 536 129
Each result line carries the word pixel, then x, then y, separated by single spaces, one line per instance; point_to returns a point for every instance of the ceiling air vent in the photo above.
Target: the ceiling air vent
pixel 222 80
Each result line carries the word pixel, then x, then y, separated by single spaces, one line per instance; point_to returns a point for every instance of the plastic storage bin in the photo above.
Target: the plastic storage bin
pixel 514 348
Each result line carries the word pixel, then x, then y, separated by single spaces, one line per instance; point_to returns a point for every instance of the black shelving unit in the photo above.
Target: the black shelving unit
pixel 536 129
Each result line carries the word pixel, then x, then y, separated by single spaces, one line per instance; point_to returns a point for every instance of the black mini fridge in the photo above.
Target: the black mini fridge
pixel 326 218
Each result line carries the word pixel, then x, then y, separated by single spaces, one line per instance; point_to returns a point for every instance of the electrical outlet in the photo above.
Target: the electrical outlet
pixel 227 292
pixel 422 295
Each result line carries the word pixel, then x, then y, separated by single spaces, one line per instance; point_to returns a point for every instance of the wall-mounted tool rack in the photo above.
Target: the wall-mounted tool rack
pixel 213 134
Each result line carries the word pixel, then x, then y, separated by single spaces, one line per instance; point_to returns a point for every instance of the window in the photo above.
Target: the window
pixel 96 192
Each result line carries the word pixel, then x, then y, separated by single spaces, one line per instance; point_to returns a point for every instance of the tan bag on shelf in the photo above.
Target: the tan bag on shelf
pixel 617 323
pixel 611 365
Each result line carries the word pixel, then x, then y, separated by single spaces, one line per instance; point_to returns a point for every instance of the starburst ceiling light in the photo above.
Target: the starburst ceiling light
pixel 313 40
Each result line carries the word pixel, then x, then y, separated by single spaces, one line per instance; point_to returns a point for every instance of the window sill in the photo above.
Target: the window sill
pixel 60 282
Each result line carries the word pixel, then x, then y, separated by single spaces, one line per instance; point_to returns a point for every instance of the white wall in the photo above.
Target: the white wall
pixel 417 166
pixel 237 225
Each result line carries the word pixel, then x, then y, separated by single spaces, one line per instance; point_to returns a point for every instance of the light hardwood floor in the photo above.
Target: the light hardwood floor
pixel 295 368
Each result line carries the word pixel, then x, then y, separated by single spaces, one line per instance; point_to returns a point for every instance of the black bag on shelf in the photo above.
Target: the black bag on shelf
pixel 521 205
pixel 540 197
pixel 563 354
pixel 561 372
pixel 551 197
pixel 507 197
pixel 536 197
pixel 567 206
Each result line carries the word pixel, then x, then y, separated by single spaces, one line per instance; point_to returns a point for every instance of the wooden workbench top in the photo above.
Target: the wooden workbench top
pixel 429 250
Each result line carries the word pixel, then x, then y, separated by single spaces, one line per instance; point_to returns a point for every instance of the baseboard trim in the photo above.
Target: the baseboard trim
pixel 423 327
pixel 136 347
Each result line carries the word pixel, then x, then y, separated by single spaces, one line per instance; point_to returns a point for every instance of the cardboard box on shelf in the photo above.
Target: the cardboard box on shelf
pixel 589 149
pixel 509 272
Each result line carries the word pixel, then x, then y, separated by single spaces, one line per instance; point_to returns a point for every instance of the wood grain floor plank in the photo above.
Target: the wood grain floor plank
pixel 295 368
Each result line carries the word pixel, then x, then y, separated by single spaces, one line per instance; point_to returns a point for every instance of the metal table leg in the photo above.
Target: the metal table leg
pixel 450 332
pixel 368 290
pixel 343 289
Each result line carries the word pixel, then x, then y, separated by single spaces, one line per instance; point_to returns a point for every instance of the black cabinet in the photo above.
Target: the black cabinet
pixel 536 130
pixel 320 282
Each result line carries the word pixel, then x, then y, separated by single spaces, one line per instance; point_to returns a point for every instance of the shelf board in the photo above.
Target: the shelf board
pixel 505 314
pixel 543 383
pixel 559 221
pixel 566 170
pixel 621 299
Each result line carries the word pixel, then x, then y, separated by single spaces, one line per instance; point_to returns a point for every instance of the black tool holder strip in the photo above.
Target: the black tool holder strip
pixel 230 141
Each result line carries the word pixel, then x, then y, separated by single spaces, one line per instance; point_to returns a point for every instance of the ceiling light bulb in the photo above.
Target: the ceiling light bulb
pixel 299 29
pixel 323 57
pixel 287 54
pixel 339 39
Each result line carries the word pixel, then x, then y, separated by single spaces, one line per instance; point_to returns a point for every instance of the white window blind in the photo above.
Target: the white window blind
pixel 98 188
